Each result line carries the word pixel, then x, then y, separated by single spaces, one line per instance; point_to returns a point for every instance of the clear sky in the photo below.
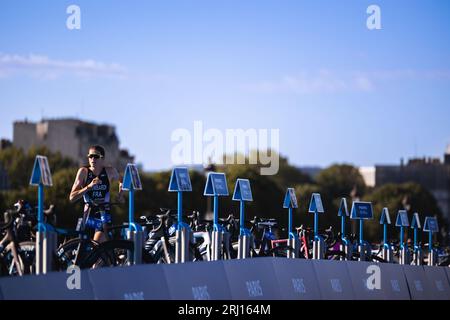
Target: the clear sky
pixel 337 91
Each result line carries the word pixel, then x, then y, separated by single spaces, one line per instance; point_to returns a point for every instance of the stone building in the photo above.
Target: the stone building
pixel 72 138
pixel 431 173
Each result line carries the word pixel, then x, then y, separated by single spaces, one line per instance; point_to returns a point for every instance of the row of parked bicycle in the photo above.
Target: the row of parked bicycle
pixel 76 247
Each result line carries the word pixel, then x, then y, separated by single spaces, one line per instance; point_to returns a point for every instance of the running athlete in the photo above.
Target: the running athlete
pixel 92 183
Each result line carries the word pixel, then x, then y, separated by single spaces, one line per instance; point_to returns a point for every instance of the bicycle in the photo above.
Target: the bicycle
pixel 265 243
pixel 87 253
pixel 17 258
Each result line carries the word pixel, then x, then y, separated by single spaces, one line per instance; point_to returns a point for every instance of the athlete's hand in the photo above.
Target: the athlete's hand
pixel 93 183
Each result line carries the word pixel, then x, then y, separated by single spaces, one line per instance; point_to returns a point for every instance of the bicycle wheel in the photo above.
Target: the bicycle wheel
pixel 66 253
pixel 280 251
pixel 26 252
pixel 373 258
pixel 109 254
pixel 335 255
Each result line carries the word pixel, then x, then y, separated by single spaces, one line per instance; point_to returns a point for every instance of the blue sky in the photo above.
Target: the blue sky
pixel 337 91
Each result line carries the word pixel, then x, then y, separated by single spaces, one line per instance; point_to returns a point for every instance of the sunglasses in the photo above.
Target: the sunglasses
pixel 94 156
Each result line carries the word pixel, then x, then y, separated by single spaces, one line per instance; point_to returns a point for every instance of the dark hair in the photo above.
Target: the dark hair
pixel 98 148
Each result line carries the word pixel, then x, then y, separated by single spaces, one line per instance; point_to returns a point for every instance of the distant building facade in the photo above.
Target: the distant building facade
pixel 4 185
pixel 72 138
pixel 431 173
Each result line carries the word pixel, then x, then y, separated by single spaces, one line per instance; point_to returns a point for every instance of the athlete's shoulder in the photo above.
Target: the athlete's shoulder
pixel 83 170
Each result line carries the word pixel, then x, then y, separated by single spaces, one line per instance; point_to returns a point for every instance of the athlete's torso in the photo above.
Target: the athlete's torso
pixel 99 192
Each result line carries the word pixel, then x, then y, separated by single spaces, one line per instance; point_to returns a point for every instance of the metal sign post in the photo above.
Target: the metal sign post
pixel 403 222
pixel 385 220
pixel 216 185
pixel 431 226
pixel 362 211
pixel 418 253
pixel 346 245
pixel 290 202
pixel 46 237
pixel 316 207
pixel 132 182
pixel 180 182
pixel 243 193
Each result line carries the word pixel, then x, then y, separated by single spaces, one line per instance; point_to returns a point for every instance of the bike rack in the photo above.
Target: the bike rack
pixel 418 253
pixel 362 211
pixel 431 226
pixel 290 202
pixel 319 246
pixel 346 246
pixel 46 237
pixel 403 222
pixel 180 182
pixel 216 185
pixel 388 254
pixel 243 193
pixel 131 183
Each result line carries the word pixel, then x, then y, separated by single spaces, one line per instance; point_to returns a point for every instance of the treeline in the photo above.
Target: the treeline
pixel 333 183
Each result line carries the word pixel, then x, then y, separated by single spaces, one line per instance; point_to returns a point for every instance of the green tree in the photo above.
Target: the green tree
pixel 393 196
pixel 19 164
pixel 340 180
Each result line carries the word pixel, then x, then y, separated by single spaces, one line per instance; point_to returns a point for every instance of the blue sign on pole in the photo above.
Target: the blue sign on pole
pixel 290 199
pixel 131 179
pixel 41 172
pixel 343 209
pixel 290 202
pixel 431 225
pixel 343 213
pixel 316 205
pixel 416 222
pixel 385 221
pixel 242 191
pixel 41 176
pixel 402 219
pixel 385 217
pixel 216 185
pixel 132 182
pixel 180 180
pixel 362 210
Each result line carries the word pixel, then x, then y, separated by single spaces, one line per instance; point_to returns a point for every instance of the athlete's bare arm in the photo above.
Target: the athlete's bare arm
pixel 114 175
pixel 78 188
